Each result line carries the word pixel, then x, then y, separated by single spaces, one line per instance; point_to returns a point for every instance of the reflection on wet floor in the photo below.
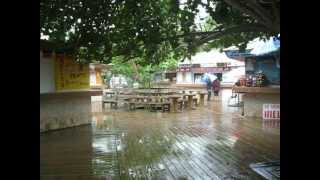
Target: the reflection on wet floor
pixel 212 142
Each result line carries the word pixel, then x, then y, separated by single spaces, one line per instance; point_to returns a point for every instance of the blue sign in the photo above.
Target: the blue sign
pixel 237 53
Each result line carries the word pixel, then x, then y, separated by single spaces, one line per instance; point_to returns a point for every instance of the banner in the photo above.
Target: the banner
pixel 70 75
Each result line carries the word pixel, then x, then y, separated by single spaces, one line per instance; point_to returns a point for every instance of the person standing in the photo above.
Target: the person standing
pixel 209 87
pixel 216 87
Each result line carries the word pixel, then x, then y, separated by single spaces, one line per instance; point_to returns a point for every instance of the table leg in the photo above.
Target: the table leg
pixel 201 99
pixel 174 108
pixel 190 102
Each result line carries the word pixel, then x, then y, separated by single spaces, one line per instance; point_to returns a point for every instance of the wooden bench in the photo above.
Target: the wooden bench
pixel 195 101
pixel 164 106
pixel 136 102
pixel 182 103
pixel 113 103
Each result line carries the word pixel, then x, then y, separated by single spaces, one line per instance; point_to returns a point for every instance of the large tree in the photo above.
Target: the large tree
pixel 153 29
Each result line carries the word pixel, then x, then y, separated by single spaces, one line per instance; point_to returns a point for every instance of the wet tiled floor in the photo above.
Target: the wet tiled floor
pixel 212 142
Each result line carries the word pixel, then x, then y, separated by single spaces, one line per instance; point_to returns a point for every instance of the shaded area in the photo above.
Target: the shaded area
pixel 212 142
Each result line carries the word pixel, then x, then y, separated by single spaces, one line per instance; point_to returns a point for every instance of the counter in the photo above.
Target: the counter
pixel 260 90
pixel 253 98
pixel 60 110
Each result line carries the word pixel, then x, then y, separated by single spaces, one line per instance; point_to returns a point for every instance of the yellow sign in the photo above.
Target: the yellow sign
pixel 70 75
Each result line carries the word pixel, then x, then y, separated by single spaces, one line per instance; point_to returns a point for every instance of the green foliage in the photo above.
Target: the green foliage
pixel 106 75
pixel 149 31
pixel 135 72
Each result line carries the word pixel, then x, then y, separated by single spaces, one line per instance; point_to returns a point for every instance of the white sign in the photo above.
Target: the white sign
pixel 271 111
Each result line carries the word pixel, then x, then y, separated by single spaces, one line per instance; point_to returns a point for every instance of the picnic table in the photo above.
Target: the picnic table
pixel 154 93
pixel 174 101
pixel 109 94
pixel 190 100
pixel 159 88
pixel 202 94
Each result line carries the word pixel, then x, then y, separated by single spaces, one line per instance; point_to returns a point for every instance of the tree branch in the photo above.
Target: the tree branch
pixel 236 29
pixel 262 12
pixel 244 9
pixel 276 13
pixel 206 33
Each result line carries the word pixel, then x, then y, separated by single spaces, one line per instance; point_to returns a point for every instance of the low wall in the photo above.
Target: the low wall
pixel 253 103
pixel 65 109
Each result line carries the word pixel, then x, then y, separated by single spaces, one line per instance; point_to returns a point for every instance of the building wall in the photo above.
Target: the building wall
pixel 92 78
pixel 59 109
pixel 46 75
pixel 229 77
pixel 63 110
pixel 96 80
pixel 253 103
pixel 187 80
pixel 70 75
pixel 267 64
pixel 99 77
pixel 179 77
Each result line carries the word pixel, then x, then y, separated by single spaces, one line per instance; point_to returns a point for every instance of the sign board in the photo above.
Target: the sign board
pixel 210 69
pixel 69 75
pixel 184 69
pixel 271 111
pixel 237 53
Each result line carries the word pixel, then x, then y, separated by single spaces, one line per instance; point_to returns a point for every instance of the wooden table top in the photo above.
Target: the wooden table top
pixel 174 96
pixel 188 94
pixel 267 90
pixel 202 92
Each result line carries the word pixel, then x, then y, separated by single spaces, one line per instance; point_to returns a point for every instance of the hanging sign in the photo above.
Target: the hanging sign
pixel 70 75
pixel 237 53
pixel 184 69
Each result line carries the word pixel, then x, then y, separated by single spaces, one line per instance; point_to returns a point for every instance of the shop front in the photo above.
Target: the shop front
pixel 96 80
pixel 254 98
pixel 65 94
pixel 261 84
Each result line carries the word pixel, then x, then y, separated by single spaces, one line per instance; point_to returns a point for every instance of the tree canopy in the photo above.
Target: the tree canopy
pixel 153 30
pixel 135 72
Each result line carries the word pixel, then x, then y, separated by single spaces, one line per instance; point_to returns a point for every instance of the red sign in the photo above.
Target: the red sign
pixel 184 69
pixel 204 69
pixel 208 70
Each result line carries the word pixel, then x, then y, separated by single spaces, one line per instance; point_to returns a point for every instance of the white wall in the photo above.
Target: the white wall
pixel 189 77
pixel 233 75
pixel 92 78
pixel 179 77
pixel 47 83
pixel 93 81
pixel 188 80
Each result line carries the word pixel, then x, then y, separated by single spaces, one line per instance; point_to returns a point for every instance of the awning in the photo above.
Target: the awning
pixel 259 48
pixel 268 47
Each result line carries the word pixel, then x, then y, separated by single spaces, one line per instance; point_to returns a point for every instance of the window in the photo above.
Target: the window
pixel 197 77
